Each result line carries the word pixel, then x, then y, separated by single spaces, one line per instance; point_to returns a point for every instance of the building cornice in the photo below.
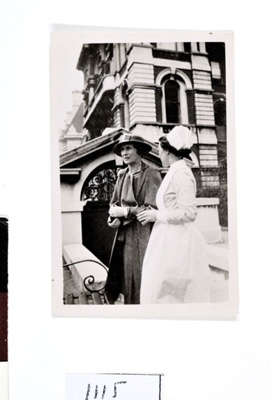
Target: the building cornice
pixel 70 172
pixel 141 86
pixel 91 146
pixel 79 136
pixel 102 143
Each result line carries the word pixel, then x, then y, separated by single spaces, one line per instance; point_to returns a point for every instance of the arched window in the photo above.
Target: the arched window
pixel 174 100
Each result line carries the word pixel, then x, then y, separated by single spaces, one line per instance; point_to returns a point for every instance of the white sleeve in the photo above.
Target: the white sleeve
pixel 181 197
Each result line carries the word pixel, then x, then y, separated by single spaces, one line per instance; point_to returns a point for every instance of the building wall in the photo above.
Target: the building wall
pixel 140 73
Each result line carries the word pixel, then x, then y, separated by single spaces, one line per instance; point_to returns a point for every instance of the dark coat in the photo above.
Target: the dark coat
pixel 131 237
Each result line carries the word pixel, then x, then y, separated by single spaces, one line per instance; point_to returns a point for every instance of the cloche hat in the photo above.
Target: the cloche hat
pixel 127 138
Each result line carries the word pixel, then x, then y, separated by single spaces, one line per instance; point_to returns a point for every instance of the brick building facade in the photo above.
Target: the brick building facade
pixel 148 88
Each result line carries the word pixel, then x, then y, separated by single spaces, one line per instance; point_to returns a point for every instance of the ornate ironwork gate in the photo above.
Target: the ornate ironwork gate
pixel 97 190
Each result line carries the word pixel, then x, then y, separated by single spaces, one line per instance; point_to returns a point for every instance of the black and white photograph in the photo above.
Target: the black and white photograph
pixel 135 187
pixel 143 166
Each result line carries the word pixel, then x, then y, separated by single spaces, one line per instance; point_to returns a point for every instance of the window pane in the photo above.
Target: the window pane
pixel 172 101
pixel 187 47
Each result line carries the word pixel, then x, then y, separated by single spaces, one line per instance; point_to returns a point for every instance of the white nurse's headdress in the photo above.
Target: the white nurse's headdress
pixel 180 137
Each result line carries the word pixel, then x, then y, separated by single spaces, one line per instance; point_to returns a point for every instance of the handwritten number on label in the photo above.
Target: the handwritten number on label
pixel 115 387
pixel 96 391
pixel 104 390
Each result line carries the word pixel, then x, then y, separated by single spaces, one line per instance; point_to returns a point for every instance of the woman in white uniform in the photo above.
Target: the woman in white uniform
pixel 175 268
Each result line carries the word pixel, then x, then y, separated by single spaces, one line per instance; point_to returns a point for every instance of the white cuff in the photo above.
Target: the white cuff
pixel 125 212
pixel 161 216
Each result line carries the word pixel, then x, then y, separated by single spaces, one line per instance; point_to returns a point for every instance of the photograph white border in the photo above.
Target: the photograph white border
pixel 201 359
pixel 65 34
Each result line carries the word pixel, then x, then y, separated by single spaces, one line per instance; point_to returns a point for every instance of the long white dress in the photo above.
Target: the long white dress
pixel 175 268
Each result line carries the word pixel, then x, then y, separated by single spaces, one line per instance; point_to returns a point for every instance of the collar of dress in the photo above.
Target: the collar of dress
pixel 176 166
pixel 143 167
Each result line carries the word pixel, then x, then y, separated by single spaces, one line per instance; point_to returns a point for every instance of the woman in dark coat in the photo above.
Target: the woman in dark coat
pixel 135 190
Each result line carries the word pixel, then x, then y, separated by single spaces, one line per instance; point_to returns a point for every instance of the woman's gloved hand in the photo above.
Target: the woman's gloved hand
pixel 135 210
pixel 113 222
pixel 147 215
pixel 118 212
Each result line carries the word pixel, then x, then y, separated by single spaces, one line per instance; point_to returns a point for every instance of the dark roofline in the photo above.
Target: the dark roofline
pixel 86 50
pixel 82 57
pixel 98 144
pixel 89 147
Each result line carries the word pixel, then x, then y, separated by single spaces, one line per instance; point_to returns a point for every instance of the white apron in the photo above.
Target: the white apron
pixel 175 268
